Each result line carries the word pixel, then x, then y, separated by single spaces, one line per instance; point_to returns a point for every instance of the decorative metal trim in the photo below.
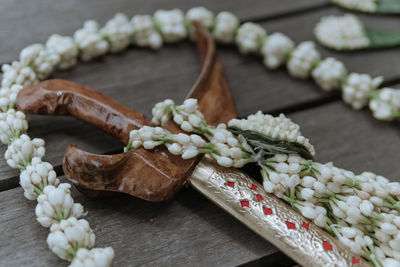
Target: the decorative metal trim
pixel 270 217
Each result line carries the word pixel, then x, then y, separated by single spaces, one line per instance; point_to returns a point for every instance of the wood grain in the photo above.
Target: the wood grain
pixel 374 62
pixel 25 22
pixel 190 229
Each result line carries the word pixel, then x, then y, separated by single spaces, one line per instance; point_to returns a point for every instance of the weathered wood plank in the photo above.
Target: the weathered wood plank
pixel 150 78
pixel 352 139
pixel 191 230
pixel 140 78
pixel 188 230
pixel 25 22
pixel 374 62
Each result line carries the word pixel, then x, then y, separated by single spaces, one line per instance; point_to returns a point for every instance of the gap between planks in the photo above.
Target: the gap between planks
pixel 266 18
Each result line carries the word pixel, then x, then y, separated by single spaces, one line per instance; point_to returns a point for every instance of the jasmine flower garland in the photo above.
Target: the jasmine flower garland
pixel 362 211
pixel 314 189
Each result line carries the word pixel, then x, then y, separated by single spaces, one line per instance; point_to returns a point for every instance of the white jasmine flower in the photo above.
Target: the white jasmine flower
pixel 276 50
pixel 341 32
pixel 250 38
pixel 302 60
pixel 68 236
pixel 357 89
pixel 385 105
pixel 36 177
pixel 160 112
pixel 201 15
pixel 224 161
pixel 8 96
pixel 12 124
pixel 99 257
pixel 320 220
pixel 361 5
pixel 190 105
pixel 190 152
pixel 329 73
pixel 118 31
pixel 307 193
pixel 225 27
pixel 144 33
pixel 90 42
pixel 269 186
pixel 308 212
pixel 388 228
pixel 17 73
pixel 56 204
pixel 171 24
pixel 21 151
pixel 41 60
pixel 65 48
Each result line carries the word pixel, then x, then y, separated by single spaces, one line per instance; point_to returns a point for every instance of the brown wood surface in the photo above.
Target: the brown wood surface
pixel 190 229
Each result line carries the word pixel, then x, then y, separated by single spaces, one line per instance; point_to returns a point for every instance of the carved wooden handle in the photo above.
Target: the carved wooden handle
pixel 151 175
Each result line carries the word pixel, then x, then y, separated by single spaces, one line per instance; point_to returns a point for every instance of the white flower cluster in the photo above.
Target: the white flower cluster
pixel 250 38
pixel 64 47
pixel 187 115
pixel 225 27
pixel 144 33
pixel 21 151
pixel 280 128
pixel 358 209
pixel 36 177
pixel 171 24
pixel 385 105
pixel 56 204
pixel 341 32
pixel 329 74
pixel 302 60
pixel 276 50
pixel 358 88
pixel 98 257
pixel 117 31
pixel 40 59
pixel 13 123
pixel 68 236
pixel 361 5
pixel 90 42
pixel 201 15
pixel 224 147
pixel 8 96
pixel 17 73
pixel 179 144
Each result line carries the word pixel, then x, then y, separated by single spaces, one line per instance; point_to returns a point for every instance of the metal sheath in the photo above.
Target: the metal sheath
pixel 271 218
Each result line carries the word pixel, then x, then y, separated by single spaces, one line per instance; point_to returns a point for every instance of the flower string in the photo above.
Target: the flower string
pixel 72 239
pixel 362 211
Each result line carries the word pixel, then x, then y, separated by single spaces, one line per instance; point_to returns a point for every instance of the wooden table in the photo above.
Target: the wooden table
pixel 189 230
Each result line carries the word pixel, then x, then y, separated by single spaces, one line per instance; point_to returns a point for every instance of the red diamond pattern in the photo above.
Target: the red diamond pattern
pixel 267 211
pixel 230 184
pixel 327 245
pixel 290 225
pixel 259 198
pixel 355 260
pixel 306 225
pixel 244 203
pixel 253 187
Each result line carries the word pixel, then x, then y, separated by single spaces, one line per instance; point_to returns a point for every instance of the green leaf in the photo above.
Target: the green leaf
pixel 388 7
pixel 271 145
pixel 382 39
